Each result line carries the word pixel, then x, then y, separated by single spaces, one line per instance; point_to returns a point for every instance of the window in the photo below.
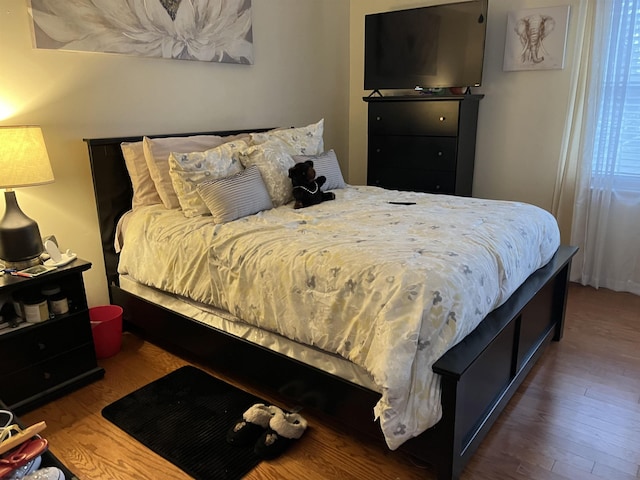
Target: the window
pixel 616 148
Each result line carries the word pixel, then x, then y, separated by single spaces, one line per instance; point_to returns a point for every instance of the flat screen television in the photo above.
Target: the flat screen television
pixel 438 46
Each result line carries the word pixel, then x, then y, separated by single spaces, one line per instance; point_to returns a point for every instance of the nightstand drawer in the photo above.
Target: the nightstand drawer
pixel 31 381
pixel 39 342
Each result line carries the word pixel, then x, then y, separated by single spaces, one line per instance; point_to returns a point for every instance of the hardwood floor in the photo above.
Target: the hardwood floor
pixel 576 416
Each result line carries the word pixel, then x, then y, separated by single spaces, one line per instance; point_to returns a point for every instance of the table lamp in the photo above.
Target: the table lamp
pixel 23 162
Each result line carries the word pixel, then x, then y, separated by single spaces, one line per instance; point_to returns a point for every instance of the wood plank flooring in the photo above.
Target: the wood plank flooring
pixel 576 416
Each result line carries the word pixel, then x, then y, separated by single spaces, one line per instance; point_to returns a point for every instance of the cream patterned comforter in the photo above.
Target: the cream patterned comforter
pixel 388 287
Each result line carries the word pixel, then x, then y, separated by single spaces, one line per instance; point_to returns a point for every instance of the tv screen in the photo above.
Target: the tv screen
pixel 428 47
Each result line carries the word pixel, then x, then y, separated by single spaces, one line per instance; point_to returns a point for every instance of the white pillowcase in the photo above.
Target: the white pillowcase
pixel 236 196
pixel 144 190
pixel 295 141
pixel 274 165
pixel 188 170
pixel 271 152
pixel 325 164
pixel 157 150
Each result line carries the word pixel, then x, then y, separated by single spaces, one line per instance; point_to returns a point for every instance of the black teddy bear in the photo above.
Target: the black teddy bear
pixel 306 187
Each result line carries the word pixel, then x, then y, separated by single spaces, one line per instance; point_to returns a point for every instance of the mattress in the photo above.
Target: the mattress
pixel 224 321
pixel 386 280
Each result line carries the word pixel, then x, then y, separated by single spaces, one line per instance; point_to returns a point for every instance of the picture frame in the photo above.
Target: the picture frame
pixel 169 29
pixel 536 38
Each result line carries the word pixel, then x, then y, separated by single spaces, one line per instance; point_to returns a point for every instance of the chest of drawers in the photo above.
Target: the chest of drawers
pixel 424 144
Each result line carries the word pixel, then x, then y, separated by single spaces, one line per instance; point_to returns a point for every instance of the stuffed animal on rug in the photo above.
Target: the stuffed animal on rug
pixel 306 187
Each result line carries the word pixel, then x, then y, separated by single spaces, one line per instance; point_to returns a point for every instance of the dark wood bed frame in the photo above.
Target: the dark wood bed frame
pixel 479 375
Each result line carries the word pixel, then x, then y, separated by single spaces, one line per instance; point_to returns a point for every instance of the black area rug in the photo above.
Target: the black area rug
pixel 184 417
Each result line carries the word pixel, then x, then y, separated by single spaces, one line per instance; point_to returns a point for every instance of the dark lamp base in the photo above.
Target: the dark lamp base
pixel 20 265
pixel 20 241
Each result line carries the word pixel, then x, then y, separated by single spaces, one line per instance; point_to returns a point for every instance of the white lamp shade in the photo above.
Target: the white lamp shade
pixel 23 157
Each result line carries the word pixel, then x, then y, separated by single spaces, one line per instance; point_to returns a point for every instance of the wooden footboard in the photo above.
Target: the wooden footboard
pixel 479 375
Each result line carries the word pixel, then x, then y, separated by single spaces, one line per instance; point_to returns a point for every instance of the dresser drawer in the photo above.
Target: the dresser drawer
pixel 27 382
pixel 413 180
pixel 421 153
pixel 414 118
pixel 38 342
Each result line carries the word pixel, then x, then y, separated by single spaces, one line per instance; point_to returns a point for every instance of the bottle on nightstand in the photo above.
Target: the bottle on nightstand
pixel 35 307
pixel 56 299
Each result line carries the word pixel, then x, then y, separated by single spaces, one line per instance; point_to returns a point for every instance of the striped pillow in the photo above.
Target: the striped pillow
pixel 236 196
pixel 325 163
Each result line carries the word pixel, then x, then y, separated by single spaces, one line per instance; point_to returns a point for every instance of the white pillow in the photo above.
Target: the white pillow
pixel 236 196
pixel 156 153
pixel 274 165
pixel 325 164
pixel 188 170
pixel 144 190
pixel 295 141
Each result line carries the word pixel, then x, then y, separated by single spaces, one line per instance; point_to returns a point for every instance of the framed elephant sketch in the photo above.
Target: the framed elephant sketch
pixel 536 38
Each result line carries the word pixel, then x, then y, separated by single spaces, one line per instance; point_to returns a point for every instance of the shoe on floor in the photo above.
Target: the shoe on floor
pixel 253 423
pixel 20 472
pixel 284 429
pixel 47 473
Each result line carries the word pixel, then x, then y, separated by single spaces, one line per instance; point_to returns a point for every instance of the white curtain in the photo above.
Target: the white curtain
pixel 600 163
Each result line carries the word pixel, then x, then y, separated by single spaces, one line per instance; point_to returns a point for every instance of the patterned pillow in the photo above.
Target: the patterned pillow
pixel 274 165
pixel 236 196
pixel 188 170
pixel 156 153
pixel 325 164
pixel 294 141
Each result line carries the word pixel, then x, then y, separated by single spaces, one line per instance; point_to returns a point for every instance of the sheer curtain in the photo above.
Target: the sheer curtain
pixel 601 152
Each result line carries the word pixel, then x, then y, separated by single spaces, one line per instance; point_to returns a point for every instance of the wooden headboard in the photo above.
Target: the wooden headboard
pixel 112 187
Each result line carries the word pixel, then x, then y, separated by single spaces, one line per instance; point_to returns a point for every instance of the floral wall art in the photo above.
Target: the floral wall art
pixel 536 38
pixel 205 30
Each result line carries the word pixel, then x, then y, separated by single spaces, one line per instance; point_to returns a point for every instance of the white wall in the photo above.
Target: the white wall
pixel 521 120
pixel 300 75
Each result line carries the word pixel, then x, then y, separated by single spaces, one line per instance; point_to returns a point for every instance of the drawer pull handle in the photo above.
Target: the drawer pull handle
pixel 442 119
pixel 41 346
pixel 437 187
pixel 377 150
pixel 439 154
pixel 378 118
pixel 47 376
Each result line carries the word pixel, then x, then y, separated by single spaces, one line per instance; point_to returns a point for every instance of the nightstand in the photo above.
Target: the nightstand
pixel 42 361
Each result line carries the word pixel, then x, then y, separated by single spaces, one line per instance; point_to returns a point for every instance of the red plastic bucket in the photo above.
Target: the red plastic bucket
pixel 106 326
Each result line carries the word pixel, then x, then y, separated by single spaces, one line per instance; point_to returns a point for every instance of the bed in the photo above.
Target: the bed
pixel 336 361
